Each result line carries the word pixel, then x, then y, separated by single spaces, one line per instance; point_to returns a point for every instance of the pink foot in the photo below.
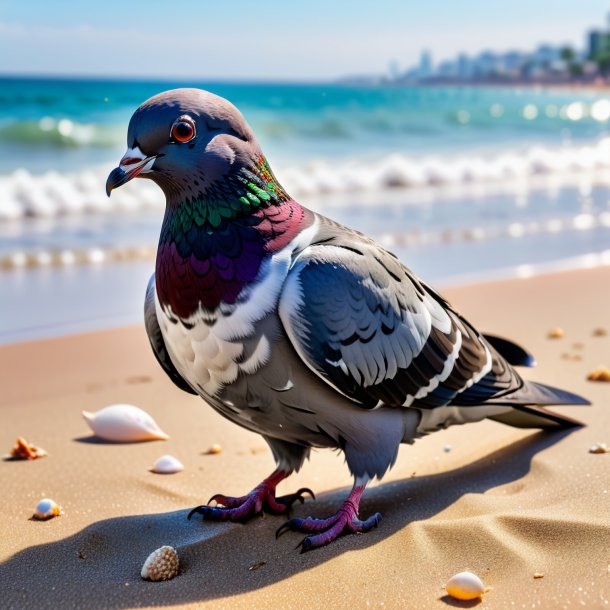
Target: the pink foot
pixel 261 498
pixel 344 521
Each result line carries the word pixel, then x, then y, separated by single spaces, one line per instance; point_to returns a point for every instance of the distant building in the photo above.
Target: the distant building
pixel 465 69
pixel 425 65
pixel 545 55
pixel 486 64
pixel 546 64
pixel 599 43
pixel 513 61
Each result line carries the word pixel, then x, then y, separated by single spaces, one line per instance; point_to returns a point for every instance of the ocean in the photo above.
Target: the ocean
pixel 464 184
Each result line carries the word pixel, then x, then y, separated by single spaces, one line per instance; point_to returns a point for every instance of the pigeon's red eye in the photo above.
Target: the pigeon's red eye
pixel 183 129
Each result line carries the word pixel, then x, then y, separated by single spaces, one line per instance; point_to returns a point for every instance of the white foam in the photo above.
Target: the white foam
pixel 400 171
pixel 52 194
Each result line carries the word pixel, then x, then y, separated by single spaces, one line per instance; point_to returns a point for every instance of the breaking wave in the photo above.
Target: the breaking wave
pixel 53 194
pixel 60 133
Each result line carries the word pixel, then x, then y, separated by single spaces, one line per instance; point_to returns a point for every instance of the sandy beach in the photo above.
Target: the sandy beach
pixel 501 502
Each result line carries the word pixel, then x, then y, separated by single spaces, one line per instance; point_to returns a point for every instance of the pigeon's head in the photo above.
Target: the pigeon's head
pixel 185 140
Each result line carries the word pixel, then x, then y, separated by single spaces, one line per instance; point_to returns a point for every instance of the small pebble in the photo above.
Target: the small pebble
pixel 46 509
pixel 599 448
pixel 600 332
pixel 214 449
pixel 538 575
pixel 447 448
pixel 256 566
pixel 555 333
pixel 601 373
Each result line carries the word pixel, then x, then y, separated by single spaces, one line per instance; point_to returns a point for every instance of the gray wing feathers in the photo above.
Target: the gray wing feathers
pixel 156 339
pixel 372 330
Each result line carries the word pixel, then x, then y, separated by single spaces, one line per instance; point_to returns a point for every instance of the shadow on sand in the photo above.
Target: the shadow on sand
pixel 99 567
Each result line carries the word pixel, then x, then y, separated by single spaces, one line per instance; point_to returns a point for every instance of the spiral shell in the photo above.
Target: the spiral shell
pixel 124 424
pixel 161 564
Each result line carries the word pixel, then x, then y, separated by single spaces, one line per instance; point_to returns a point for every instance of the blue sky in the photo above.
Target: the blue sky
pixel 313 39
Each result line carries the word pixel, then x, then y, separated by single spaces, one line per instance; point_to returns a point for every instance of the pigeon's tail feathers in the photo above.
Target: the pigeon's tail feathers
pixel 528 407
pixel 534 393
pixel 536 417
pixel 513 354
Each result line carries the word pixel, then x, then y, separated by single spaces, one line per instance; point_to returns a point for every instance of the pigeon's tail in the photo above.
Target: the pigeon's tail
pixel 528 407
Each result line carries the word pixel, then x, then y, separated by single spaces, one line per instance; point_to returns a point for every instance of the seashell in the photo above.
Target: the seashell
pixel 124 424
pixel 47 509
pixel 214 450
pixel 161 564
pixel 465 585
pixel 599 448
pixel 24 451
pixel 555 333
pixel 601 373
pixel 167 464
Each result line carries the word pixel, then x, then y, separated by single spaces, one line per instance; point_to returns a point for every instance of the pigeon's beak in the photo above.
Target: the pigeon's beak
pixel 133 163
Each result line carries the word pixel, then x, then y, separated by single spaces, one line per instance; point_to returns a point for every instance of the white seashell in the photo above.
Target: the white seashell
pixel 124 424
pixel 161 564
pixel 167 464
pixel 465 585
pixel 47 509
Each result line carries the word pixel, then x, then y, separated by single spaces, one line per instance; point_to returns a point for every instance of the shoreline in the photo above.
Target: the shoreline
pixel 133 276
pixel 502 502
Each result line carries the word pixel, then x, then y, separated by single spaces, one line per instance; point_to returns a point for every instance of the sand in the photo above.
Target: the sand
pixel 501 502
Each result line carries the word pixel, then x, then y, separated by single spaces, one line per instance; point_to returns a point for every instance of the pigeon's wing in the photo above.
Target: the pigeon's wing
pixel 367 326
pixel 511 351
pixel 156 339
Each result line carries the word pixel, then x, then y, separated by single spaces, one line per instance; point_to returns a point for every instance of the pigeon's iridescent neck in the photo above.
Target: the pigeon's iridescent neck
pixel 212 246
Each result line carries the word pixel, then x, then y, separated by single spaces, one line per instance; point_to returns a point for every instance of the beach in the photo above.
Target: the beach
pixel 501 502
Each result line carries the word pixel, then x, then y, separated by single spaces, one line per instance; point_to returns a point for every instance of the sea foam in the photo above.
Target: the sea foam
pixel 51 194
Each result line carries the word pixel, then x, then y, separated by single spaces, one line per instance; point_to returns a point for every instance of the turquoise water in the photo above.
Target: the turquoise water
pixel 462 183
pixel 69 124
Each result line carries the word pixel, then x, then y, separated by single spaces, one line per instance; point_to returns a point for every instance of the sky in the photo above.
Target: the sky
pixel 273 40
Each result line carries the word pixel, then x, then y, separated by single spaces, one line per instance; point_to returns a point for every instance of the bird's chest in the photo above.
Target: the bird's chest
pixel 211 349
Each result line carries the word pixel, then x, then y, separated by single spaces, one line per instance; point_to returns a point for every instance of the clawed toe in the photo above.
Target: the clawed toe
pixel 260 499
pixel 324 531
pixel 299 495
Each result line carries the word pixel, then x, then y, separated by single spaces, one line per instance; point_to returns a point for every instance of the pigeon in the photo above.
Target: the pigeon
pixel 298 328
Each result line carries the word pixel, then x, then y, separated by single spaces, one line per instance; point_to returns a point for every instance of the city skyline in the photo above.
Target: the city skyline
pixel 313 42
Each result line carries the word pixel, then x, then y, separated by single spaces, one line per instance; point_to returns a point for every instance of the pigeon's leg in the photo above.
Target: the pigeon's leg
pixel 344 521
pixel 261 498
